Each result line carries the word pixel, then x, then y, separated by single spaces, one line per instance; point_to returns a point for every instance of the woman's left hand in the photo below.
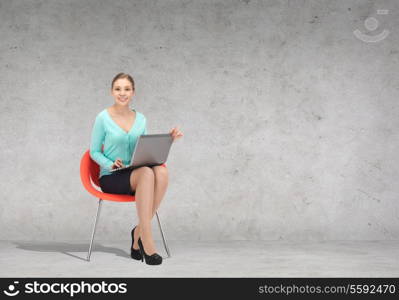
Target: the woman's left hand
pixel 176 133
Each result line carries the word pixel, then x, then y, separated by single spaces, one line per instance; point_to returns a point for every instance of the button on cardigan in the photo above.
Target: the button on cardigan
pixel 117 142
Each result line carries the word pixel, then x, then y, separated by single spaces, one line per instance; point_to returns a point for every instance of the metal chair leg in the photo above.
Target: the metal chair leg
pixel 94 228
pixel 163 237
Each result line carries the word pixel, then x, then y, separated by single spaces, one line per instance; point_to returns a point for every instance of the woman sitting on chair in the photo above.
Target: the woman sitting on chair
pixel 118 128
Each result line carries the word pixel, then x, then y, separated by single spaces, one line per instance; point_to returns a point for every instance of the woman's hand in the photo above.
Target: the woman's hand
pixel 117 164
pixel 176 133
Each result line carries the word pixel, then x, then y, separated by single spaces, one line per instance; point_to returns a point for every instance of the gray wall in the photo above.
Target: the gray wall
pixel 290 120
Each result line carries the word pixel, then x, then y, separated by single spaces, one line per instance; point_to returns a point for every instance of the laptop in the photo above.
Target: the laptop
pixel 151 150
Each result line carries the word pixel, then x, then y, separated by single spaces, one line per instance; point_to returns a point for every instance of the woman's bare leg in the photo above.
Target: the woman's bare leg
pixel 142 181
pixel 161 184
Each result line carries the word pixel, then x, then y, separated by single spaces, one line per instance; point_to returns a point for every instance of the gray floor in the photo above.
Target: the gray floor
pixel 204 259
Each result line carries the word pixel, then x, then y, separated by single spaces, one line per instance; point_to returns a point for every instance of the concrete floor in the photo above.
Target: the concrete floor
pixel 203 259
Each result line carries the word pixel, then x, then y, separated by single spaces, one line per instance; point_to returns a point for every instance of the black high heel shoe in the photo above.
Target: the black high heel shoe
pixel 154 259
pixel 135 254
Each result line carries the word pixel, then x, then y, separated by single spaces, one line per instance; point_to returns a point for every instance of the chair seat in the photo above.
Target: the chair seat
pixel 115 197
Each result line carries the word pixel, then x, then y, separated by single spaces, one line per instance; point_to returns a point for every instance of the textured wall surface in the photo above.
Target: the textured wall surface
pixel 290 119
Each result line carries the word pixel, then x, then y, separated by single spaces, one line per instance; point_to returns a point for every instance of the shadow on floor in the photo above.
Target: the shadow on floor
pixel 65 248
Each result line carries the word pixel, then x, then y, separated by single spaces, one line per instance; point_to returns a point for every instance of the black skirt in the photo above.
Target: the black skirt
pixel 117 183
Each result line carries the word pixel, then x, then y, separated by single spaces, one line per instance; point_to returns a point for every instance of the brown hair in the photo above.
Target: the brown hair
pixel 122 75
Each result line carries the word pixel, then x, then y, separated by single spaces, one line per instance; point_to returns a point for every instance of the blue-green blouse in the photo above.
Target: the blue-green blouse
pixel 117 142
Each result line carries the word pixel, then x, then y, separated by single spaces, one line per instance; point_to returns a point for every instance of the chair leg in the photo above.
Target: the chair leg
pixel 163 237
pixel 94 228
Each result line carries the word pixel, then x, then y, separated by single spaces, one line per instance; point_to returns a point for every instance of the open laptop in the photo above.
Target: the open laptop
pixel 151 150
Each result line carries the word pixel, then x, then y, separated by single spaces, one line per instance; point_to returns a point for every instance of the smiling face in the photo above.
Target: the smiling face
pixel 122 92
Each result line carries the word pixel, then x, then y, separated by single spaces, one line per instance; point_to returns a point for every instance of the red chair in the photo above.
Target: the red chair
pixel 89 171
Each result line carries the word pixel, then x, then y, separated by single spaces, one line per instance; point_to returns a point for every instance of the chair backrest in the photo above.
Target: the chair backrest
pixel 89 169
pixel 94 171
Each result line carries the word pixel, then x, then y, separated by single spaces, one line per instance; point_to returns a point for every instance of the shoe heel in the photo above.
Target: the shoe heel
pixel 154 259
pixel 141 251
pixel 135 254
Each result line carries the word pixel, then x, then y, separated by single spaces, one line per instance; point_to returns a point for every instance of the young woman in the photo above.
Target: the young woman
pixel 117 128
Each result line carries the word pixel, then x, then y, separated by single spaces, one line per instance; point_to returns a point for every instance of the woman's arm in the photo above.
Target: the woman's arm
pixel 97 139
pixel 145 126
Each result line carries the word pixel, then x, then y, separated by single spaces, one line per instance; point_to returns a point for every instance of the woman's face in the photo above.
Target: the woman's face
pixel 122 91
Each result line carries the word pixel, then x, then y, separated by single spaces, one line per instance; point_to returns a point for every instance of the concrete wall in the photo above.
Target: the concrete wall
pixel 290 120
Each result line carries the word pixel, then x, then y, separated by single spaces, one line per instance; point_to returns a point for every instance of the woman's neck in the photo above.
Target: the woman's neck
pixel 121 110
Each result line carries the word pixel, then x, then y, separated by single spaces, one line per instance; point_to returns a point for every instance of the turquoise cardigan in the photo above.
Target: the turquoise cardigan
pixel 117 142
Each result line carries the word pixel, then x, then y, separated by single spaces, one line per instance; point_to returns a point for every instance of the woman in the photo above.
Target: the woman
pixel 118 127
